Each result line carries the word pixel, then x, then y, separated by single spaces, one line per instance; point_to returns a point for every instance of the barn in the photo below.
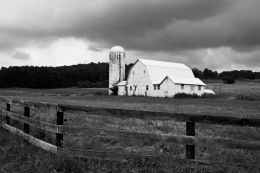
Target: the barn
pixel 160 79
pixel 152 78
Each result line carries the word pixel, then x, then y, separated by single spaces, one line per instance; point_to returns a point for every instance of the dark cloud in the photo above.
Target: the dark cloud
pixel 181 28
pixel 123 22
pixel 149 25
pixel 21 55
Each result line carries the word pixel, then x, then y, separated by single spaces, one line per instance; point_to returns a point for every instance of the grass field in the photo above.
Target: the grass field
pixel 17 156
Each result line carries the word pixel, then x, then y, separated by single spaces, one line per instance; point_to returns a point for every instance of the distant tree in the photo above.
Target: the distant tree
pixel 209 74
pixel 243 74
pixel 197 73
pixel 92 75
pixel 53 77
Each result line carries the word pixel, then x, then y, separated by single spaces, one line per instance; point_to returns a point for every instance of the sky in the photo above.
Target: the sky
pixel 215 34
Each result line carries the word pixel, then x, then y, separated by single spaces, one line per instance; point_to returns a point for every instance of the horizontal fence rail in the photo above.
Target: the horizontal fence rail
pixel 36 123
pixel 36 142
pixel 59 129
pixel 179 139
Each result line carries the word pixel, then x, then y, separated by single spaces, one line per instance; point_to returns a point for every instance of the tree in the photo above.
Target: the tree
pixel 197 73
pixel 209 74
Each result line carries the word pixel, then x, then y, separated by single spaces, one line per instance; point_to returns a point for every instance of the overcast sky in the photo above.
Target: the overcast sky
pixel 217 34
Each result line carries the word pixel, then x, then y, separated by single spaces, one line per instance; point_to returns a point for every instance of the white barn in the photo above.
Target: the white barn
pixel 158 79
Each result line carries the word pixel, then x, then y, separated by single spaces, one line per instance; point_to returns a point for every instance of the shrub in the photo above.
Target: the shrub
pixel 184 95
pixel 114 90
pixel 228 79
pixel 207 95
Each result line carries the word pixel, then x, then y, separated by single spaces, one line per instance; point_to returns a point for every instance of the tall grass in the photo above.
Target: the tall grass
pixel 15 153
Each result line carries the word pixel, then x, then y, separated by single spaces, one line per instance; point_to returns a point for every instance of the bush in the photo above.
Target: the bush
pixel 207 95
pixel 114 90
pixel 184 95
pixel 228 79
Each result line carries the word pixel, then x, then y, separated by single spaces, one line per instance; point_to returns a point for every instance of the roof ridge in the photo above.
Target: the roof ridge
pixel 163 64
pixel 170 67
pixel 161 61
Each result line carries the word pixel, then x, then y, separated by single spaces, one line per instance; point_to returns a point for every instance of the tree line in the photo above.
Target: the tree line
pixel 227 76
pixel 87 75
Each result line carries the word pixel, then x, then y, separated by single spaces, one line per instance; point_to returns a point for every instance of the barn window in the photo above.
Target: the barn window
pixel 199 88
pixel 147 87
pixel 192 88
pixel 158 86
pixel 154 87
pixel 182 86
pixel 144 71
pixel 130 88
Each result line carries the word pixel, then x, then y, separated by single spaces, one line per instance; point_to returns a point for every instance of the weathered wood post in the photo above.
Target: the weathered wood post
pixel 8 108
pixel 26 127
pixel 190 131
pixel 59 136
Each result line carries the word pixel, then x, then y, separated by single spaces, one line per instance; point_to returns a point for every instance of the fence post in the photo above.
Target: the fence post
pixel 190 131
pixel 8 108
pixel 26 127
pixel 59 136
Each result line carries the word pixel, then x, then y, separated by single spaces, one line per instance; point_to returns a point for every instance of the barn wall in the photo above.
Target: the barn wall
pixel 138 78
pixel 187 89
pixel 166 89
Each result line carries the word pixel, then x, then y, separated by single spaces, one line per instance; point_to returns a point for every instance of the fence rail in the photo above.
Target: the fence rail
pixel 189 139
pixel 180 139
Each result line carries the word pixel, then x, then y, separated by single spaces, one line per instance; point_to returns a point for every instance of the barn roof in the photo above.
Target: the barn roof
pixel 177 72
pixel 187 81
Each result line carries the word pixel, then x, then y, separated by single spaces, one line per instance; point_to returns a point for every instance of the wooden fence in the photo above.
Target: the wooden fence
pixel 59 129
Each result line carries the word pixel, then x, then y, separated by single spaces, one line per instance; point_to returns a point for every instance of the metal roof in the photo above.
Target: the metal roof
pixel 177 72
pixel 187 81
pixel 155 63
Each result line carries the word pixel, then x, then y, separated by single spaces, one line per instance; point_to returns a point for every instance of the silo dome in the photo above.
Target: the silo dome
pixel 117 49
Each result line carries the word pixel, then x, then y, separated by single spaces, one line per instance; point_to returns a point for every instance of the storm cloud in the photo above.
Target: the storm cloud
pixel 182 29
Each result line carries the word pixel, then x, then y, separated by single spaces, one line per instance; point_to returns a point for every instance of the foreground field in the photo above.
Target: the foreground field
pixel 227 104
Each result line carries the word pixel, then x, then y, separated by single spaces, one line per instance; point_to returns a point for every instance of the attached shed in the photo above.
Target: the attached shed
pixel 121 88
